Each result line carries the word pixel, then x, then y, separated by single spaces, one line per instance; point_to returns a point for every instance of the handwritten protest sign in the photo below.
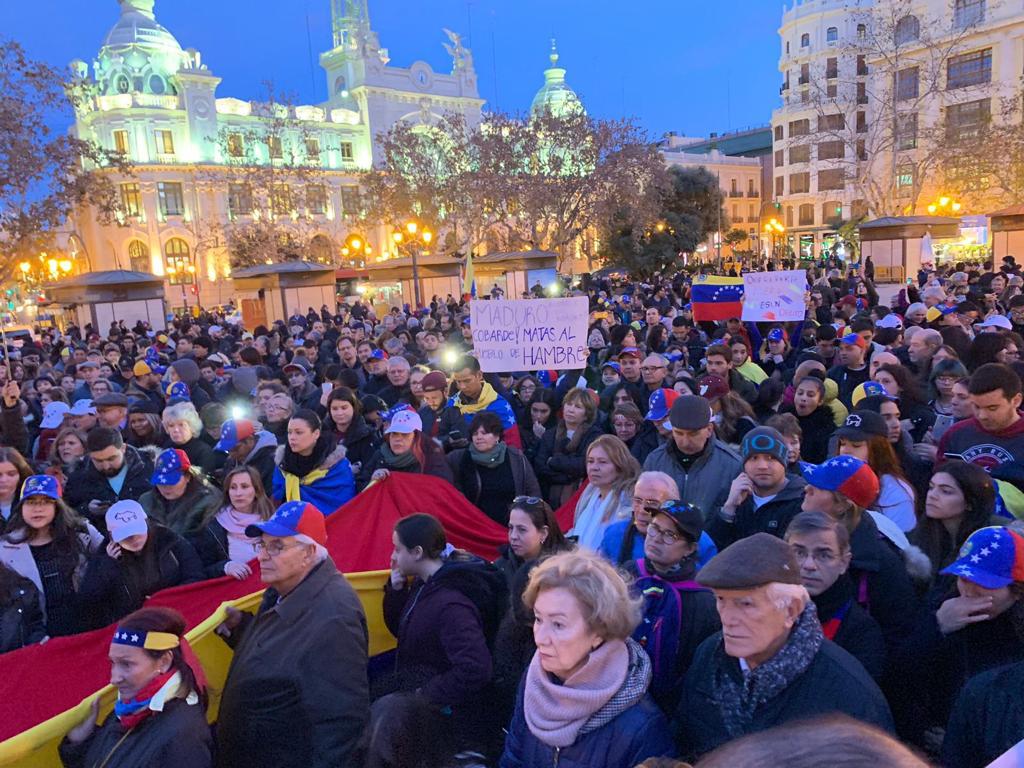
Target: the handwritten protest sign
pixel 530 334
pixel 774 296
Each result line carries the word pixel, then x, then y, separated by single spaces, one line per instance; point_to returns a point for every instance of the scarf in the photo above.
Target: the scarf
pixel 573 443
pixel 235 522
pixel 304 470
pixel 407 462
pixel 737 701
pixel 487 396
pixel 491 458
pixel 556 713
pixel 136 709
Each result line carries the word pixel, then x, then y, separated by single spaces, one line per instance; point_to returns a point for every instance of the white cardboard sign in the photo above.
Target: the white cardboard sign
pixel 774 296
pixel 530 334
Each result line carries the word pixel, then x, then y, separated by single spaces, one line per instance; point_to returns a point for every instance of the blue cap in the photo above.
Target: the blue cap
pixel 991 557
pixel 660 403
pixel 178 392
pixel 776 334
pixel 613 365
pixel 170 467
pixel 233 432
pixel 379 354
pixel 390 412
pixel 41 485
pixel 293 518
pixel 847 475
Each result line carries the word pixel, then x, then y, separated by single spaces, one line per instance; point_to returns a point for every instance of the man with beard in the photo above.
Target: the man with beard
pixel 114 472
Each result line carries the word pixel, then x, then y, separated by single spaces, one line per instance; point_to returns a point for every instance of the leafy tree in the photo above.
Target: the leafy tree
pixel 45 173
pixel 735 237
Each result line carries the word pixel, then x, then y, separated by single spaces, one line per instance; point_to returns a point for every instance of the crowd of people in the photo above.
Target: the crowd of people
pixel 769 522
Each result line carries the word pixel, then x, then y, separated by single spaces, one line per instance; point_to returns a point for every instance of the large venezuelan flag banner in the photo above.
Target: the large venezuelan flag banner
pixel 47 689
pixel 716 298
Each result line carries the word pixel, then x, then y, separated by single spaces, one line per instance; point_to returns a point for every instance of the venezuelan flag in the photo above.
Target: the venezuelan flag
pixel 717 298
pixel 469 278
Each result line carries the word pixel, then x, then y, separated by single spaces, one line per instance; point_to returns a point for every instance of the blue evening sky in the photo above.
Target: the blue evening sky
pixel 676 65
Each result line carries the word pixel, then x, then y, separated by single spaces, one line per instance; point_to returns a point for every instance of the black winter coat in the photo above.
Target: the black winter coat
pixel 174 738
pixel 296 695
pixel 361 442
pixel 817 427
pixel 21 617
pixel 644 442
pixel 87 484
pixel 111 589
pixel 987 720
pixel 556 465
pixel 773 517
pixel 466 478
pixel 211 545
pixel 858 634
pixel 834 682
pixel 202 455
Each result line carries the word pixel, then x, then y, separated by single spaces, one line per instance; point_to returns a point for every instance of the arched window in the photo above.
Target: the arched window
pixel 862 32
pixel 157 85
pixel 789 215
pixel 806 214
pixel 340 86
pixel 908 29
pixel 122 84
pixel 805 40
pixel 176 247
pixel 321 249
pixel 831 34
pixel 138 256
pixel 831 211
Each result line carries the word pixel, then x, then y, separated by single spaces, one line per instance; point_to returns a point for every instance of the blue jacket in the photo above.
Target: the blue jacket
pixel 635 735
pixel 328 492
pixel 611 544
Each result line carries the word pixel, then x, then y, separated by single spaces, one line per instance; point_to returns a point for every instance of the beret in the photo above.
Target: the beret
pixel 751 562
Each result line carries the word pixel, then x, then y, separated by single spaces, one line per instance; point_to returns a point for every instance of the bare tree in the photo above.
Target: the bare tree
pixel 45 174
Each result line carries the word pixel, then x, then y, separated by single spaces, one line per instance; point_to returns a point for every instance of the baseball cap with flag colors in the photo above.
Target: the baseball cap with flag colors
pixel 170 467
pixel 660 403
pixel 233 432
pixel 41 485
pixel 991 557
pixel 847 475
pixel 293 518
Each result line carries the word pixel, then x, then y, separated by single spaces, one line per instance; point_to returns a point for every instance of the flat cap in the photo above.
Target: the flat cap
pixel 751 562
pixel 111 399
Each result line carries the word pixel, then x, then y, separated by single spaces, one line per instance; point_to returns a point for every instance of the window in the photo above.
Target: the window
pixel 862 65
pixel 805 40
pixel 906 131
pixel 779 133
pixel 831 150
pixel 831 90
pixel 313 149
pixel 340 86
pixel 350 202
pixel 780 158
pixel 831 211
pixel 968 13
pixel 316 199
pixel 799 128
pixel 780 186
pixel 831 68
pixel 862 149
pixel 751 213
pixel 800 154
pixel 806 214
pixel 236 145
pixel 805 74
pixel 157 85
pixel 281 199
pixel 239 199
pixel 831 35
pixel 967 120
pixel 172 201
pixel 164 142
pixel 176 249
pixel 734 187
pixel 862 32
pixel 138 256
pixel 122 84
pixel 789 215
pixel 831 178
pixel 751 191
pixel 131 199
pixel 834 122
pixel 907 84
pixel 347 152
pixel 121 142
pixel 274 147
pixel 799 183
pixel 787 47
pixel 969 69
pixel 908 29
pixel 321 249
pixel 736 214
pixel 862 93
pixel 904 179
pixel 967 173
pixel 862 122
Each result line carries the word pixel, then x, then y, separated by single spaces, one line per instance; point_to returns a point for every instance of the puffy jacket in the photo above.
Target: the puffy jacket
pixel 87 484
pixel 21 618
pixel 556 466
pixel 261 458
pixel 111 589
pixel 706 483
pixel 772 517
pixel 186 514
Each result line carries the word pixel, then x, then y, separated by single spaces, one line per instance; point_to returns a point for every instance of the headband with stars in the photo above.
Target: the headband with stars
pixel 151 641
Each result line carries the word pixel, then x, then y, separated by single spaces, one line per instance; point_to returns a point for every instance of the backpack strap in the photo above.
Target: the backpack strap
pixel 641 569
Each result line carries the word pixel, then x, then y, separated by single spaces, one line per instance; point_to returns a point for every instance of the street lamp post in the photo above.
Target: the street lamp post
pixel 774 229
pixel 944 206
pixel 413 236
pixel 181 271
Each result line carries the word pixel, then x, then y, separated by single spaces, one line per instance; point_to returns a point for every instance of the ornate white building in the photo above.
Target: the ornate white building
pixel 157 103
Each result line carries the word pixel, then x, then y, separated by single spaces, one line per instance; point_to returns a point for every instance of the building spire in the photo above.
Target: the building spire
pixel 554 53
pixel 145 7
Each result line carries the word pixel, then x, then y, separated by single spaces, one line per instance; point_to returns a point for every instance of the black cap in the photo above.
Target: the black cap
pixel 751 562
pixel 861 425
pixel 690 412
pixel 687 517
pixel 145 406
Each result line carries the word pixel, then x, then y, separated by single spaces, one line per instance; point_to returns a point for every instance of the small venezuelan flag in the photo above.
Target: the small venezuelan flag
pixel 717 298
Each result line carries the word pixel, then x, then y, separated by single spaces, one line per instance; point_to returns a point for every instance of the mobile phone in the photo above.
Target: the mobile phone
pixel 327 387
pixel 942 423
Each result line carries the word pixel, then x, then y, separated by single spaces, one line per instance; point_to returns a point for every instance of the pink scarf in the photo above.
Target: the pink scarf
pixel 235 522
pixel 556 713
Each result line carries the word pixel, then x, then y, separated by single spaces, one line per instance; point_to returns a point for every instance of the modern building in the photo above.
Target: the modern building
pixel 157 103
pixel 878 100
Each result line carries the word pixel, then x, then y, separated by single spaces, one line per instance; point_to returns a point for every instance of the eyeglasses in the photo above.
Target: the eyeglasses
pixel 655 531
pixel 533 501
pixel 274 548
pixel 647 504
pixel 820 556
pixel 651 368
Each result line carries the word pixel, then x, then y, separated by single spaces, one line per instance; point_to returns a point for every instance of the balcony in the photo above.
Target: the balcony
pixel 862 99
pixel 735 193
pixel 753 193
pixel 804 80
pixel 831 74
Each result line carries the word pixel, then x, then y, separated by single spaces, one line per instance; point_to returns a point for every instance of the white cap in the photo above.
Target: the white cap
pixel 82 408
pixel 892 320
pixel 126 518
pixel 404 423
pixel 53 414
pixel 996 321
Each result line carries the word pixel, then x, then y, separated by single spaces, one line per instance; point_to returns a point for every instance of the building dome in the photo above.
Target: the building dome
pixel 138 27
pixel 138 54
pixel 556 98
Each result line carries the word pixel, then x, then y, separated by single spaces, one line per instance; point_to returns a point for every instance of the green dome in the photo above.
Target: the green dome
pixel 556 98
pixel 138 54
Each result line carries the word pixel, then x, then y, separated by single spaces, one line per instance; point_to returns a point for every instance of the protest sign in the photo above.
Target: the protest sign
pixel 774 296
pixel 530 334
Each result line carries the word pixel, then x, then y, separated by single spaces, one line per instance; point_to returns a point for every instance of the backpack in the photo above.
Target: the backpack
pixel 661 628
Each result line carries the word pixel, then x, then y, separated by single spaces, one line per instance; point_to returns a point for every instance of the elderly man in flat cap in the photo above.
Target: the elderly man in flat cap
pixel 770 664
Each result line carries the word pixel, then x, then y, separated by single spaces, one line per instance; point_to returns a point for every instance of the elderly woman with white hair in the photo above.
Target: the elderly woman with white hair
pixel 770 664
pixel 185 430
